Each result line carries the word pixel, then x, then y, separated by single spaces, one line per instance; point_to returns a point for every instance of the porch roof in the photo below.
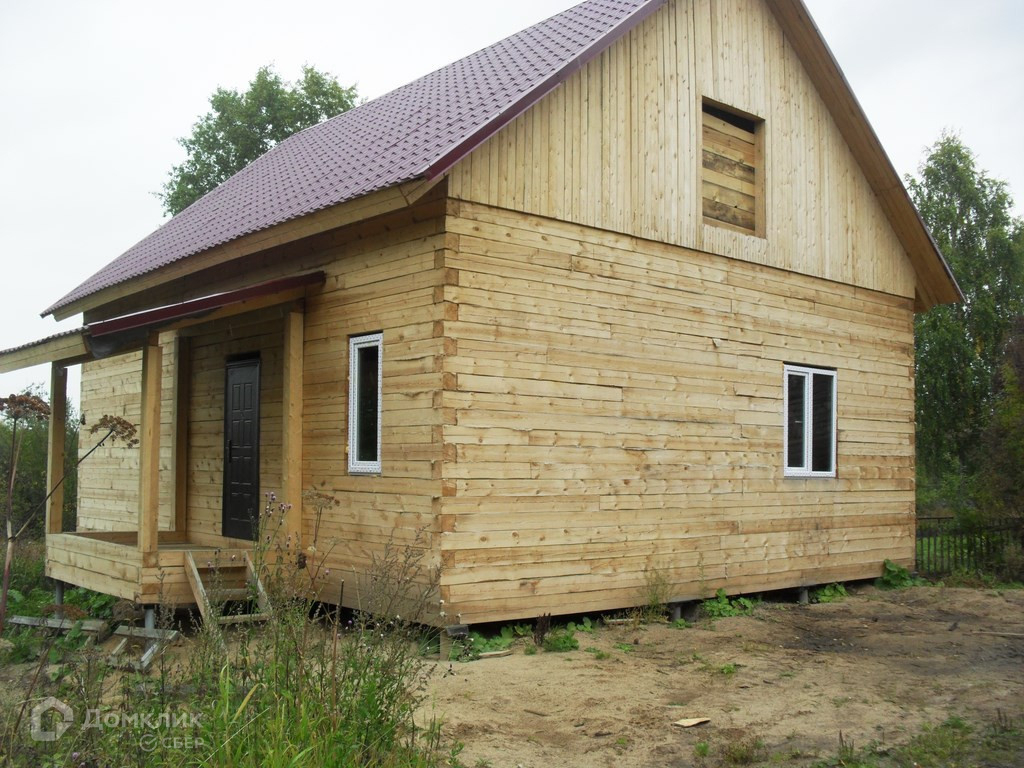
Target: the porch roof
pixel 121 334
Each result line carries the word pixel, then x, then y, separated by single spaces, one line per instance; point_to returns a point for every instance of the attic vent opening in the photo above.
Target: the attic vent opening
pixel 732 170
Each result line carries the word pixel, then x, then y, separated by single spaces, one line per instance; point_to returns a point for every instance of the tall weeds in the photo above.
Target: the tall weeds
pixel 337 690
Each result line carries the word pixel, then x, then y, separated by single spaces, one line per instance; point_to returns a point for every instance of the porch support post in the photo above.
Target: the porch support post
pixel 291 439
pixel 55 447
pixel 179 421
pixel 149 451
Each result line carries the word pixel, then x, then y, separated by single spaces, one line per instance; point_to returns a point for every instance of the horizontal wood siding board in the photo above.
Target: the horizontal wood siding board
pixel 719 212
pixel 387 282
pixel 618 410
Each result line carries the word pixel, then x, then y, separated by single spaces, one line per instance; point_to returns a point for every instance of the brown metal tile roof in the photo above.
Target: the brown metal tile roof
pixel 417 131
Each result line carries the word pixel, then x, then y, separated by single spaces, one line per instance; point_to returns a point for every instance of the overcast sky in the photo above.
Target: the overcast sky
pixel 96 93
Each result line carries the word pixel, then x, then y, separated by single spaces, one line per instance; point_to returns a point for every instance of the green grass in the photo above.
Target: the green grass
pixel 288 692
pixel 560 640
pixel 830 593
pixel 954 743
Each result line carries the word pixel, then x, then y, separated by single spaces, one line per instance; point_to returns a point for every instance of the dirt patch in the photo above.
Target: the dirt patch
pixel 877 666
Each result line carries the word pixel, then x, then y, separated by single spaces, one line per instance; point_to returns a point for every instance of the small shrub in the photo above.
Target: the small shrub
pixel 744 752
pixel 657 593
pixel 701 749
pixel 25 645
pixel 32 603
pixel 721 607
pixel 561 640
pixel 585 625
pixel 831 593
pixel 476 644
pixel 896 577
pixel 95 604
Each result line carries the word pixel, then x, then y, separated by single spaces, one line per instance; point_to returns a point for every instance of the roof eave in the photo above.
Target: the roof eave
pixel 936 283
pixel 375 203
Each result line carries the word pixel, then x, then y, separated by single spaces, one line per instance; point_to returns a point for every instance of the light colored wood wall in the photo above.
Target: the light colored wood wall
pixel 618 146
pixel 108 481
pixel 618 413
pixel 385 279
pixel 384 275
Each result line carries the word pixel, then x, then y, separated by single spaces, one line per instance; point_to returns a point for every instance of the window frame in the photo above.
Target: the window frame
pixel 806 468
pixel 357 466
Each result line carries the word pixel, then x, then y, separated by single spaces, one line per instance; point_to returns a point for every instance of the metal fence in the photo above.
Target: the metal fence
pixel 945 545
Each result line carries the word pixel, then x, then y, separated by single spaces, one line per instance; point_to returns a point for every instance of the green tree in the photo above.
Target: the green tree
pixel 959 347
pixel 1001 451
pixel 242 126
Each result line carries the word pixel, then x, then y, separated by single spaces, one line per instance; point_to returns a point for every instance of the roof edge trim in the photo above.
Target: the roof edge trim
pixel 470 142
pixel 822 67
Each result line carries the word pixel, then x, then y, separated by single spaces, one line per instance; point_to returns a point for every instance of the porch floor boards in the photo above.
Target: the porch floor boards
pixel 111 562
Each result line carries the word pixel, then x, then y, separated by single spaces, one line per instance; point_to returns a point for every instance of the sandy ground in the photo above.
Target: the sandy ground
pixel 876 667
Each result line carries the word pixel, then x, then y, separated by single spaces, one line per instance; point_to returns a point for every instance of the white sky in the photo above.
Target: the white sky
pixel 96 93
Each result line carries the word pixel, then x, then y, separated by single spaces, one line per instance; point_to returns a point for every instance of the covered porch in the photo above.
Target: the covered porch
pixel 145 561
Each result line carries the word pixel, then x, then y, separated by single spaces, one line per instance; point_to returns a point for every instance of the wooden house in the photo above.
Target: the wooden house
pixel 627 296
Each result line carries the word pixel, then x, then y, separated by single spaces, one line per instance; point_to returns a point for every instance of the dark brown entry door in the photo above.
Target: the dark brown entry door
pixel 241 448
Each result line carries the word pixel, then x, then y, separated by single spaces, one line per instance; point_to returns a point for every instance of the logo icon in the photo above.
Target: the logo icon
pixel 57 723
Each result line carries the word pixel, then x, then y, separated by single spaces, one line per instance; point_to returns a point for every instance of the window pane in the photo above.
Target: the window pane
pixel 796 384
pixel 823 432
pixel 367 406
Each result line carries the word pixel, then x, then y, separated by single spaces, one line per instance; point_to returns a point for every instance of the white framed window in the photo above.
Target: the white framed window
pixel 810 421
pixel 364 403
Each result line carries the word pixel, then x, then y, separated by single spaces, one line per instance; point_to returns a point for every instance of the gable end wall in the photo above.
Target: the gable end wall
pixel 618 147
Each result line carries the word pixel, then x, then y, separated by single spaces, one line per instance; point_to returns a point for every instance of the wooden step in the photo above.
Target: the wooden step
pixel 221 568
pixel 228 594
pixel 209 595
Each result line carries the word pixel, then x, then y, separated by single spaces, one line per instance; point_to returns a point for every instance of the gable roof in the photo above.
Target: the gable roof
pixel 422 129
pixel 416 131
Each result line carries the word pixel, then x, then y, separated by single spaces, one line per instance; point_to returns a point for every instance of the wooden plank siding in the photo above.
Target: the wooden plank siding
pixel 618 411
pixel 619 147
pixel 108 481
pixel 385 280
pixel 383 275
